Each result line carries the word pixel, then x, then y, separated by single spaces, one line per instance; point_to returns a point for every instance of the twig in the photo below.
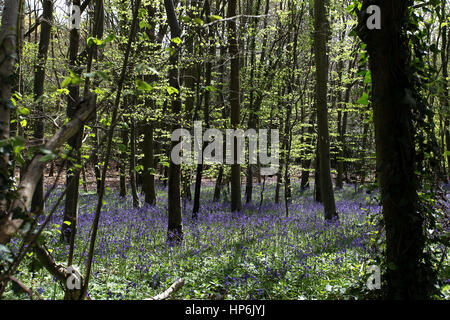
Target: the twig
pixel 24 288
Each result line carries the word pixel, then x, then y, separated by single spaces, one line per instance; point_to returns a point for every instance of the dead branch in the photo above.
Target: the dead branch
pixel 172 289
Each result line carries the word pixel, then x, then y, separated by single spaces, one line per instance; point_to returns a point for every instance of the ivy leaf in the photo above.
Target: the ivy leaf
pixel 364 99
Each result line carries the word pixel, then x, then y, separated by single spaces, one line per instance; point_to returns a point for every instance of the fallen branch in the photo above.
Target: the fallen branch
pixel 173 288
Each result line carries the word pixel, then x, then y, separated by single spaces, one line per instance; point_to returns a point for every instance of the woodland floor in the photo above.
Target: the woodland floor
pixel 257 254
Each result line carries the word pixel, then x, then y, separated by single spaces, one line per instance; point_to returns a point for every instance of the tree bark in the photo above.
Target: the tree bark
pixel 233 50
pixel 122 164
pixel 37 203
pixel 136 201
pixel 320 52
pixel 395 150
pixel 8 41
pixel 71 201
pixel 175 227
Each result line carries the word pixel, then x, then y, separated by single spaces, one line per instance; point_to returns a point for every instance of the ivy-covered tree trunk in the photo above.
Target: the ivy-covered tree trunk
pixel 445 99
pixel 395 149
pixel 37 203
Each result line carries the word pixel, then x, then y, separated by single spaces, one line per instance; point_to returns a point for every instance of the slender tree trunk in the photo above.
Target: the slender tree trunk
pixel 72 175
pixel 149 165
pixel 134 193
pixel 8 41
pixel 221 102
pixel 122 164
pixel 37 203
pixel 320 51
pixel 306 163
pixel 252 118
pixel 175 227
pixel 236 204
pixel 99 16
pixel 317 186
pixel 445 100
pixel 149 161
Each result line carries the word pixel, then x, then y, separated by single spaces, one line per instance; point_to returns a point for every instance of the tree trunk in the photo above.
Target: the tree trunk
pixel 320 51
pixel 236 204
pixel 445 100
pixel 8 38
pixel 306 163
pixel 72 175
pixel 134 193
pixel 395 150
pixel 149 165
pixel 122 164
pixel 37 203
pixel 317 187
pixel 175 227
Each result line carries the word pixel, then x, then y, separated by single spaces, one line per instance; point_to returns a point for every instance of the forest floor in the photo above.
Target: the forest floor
pixel 259 253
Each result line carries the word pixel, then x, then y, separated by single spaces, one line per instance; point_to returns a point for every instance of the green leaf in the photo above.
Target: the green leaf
pixel 73 78
pixel 23 111
pixel 48 157
pixel 368 77
pixel 215 18
pixel 198 21
pixel 176 40
pixel 172 90
pixel 364 99
pixel 165 164
pixel 143 86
